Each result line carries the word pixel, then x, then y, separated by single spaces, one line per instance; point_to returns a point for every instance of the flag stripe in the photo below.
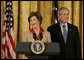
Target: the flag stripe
pixel 11 41
pixel 11 48
pixel 8 50
pixel 3 47
pixel 4 33
pixel 12 34
pixel 5 57
pixel 5 54
pixel 4 23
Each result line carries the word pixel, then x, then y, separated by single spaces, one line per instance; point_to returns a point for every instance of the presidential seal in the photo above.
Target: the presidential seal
pixel 37 47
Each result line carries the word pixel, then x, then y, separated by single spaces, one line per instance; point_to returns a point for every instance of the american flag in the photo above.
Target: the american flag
pixel 8 43
pixel 54 13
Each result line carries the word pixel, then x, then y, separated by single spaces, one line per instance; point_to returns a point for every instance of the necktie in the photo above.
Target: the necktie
pixel 64 33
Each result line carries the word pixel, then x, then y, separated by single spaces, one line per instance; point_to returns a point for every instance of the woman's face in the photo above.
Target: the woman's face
pixel 34 22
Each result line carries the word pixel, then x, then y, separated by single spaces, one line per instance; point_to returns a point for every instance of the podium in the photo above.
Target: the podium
pixel 50 49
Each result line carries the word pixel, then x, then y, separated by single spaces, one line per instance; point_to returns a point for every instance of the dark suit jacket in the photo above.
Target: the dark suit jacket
pixel 72 48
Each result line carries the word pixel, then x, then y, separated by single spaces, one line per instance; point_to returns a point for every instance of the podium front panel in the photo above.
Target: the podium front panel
pixel 24 48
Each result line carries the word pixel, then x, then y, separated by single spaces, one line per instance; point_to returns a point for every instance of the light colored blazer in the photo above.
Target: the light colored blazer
pixel 28 37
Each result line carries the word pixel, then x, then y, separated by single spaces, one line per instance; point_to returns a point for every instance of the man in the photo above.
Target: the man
pixel 67 35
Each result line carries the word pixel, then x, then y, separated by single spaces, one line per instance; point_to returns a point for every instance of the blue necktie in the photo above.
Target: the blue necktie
pixel 64 33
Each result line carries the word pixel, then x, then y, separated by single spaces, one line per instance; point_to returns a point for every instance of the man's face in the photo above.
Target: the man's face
pixel 64 16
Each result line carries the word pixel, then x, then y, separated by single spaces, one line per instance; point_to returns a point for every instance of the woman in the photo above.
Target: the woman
pixel 36 32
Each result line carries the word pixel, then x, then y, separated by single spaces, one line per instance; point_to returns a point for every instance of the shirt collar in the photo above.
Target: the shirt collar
pixel 61 24
pixel 32 30
pixel 41 31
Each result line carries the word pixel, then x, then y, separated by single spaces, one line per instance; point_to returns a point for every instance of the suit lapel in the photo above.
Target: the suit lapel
pixel 69 32
pixel 59 30
pixel 60 33
pixel 31 37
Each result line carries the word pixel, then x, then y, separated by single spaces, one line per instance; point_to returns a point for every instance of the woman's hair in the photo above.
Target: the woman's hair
pixel 38 16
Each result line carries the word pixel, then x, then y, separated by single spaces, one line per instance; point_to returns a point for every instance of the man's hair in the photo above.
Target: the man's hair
pixel 60 9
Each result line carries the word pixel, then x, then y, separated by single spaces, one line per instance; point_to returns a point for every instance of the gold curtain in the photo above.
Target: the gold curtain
pixel 2 17
pixel 21 10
